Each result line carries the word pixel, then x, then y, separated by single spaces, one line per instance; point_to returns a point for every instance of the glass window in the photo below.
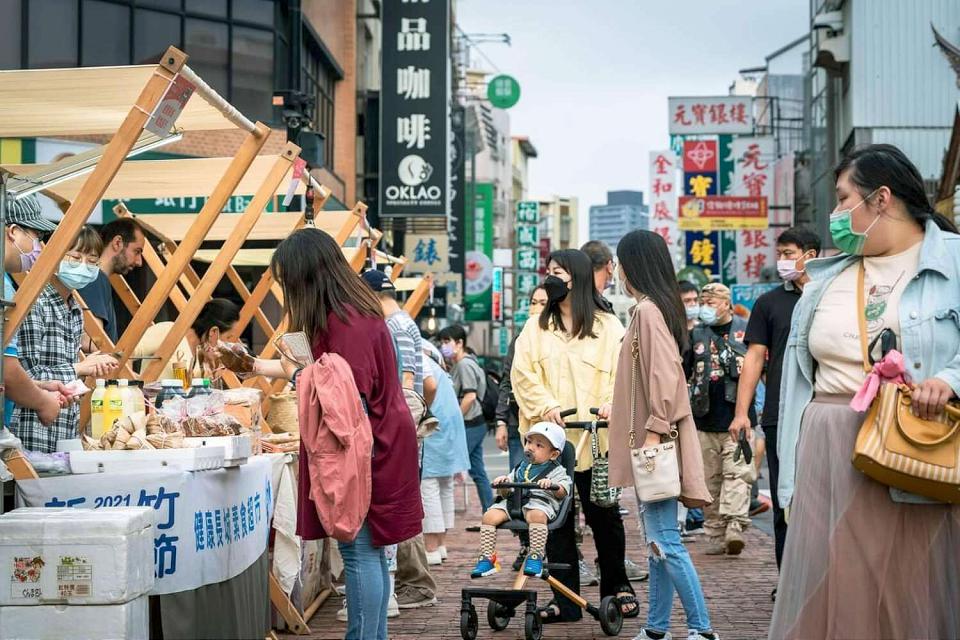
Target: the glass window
pixel 206 42
pixel 319 81
pixel 53 42
pixel 173 5
pixel 104 35
pixel 216 8
pixel 10 27
pixel 256 11
pixel 253 72
pixel 153 32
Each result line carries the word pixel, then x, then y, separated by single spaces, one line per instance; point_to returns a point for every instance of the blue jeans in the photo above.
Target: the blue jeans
pixel 671 569
pixel 478 471
pixel 368 587
pixel 514 446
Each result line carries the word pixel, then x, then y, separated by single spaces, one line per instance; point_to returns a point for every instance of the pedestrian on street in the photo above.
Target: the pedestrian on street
pixel 766 340
pixel 444 455
pixel 651 404
pixel 324 298
pixel 601 259
pixel 691 519
pixel 470 385
pixel 566 359
pixel 713 365
pixel 864 560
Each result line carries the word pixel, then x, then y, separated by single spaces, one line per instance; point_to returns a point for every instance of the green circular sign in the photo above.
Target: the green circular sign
pixel 503 91
pixel 696 275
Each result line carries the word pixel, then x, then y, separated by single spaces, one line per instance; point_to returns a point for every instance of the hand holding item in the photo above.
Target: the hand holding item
pixel 554 416
pixel 235 357
pixel 502 436
pixel 98 365
pixel 930 397
pixel 500 480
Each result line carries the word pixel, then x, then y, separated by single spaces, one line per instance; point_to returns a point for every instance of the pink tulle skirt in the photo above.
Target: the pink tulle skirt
pixel 856 563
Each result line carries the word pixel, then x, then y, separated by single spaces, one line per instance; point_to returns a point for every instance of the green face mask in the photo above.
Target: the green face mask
pixel 841 230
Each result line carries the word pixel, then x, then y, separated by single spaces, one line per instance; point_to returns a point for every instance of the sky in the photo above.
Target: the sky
pixel 595 76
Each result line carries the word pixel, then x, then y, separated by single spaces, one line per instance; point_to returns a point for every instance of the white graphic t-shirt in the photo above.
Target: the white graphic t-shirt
pixel 835 332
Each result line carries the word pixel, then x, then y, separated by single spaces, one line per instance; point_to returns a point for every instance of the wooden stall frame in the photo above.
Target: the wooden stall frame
pixel 419 296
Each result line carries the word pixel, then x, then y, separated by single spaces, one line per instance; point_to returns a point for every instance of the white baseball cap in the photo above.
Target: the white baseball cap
pixel 552 432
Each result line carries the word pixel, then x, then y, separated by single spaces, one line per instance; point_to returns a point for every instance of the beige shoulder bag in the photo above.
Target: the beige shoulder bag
pixel 656 470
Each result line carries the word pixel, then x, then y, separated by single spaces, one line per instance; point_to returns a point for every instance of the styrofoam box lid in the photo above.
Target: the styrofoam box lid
pixel 63 523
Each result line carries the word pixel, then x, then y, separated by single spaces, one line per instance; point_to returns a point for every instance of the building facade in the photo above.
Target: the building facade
pixel 558 222
pixel 623 212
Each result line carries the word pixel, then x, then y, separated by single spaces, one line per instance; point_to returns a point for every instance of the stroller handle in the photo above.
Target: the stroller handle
pixel 583 424
pixel 523 485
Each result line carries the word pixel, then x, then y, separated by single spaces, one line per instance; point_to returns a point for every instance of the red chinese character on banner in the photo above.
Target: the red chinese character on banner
pixel 661 162
pixel 664 232
pixel 699 112
pixel 755 238
pixel 754 183
pixel 680 115
pixel 751 158
pixel 754 264
pixel 661 211
pixel 660 187
pixel 718 114
pixel 738 113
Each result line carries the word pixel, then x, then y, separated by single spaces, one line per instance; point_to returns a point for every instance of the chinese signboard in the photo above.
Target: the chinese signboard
pixel 663 199
pixel 455 221
pixel 756 250
pixel 503 91
pixel 414 163
pixel 496 295
pixel 478 241
pixel 703 251
pixel 722 212
pixel 528 212
pixel 426 253
pixel 721 114
pixel 529 248
pixel 745 295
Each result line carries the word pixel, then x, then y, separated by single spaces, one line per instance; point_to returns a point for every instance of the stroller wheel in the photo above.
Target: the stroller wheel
pixel 610 616
pixel 498 616
pixel 469 625
pixel 533 628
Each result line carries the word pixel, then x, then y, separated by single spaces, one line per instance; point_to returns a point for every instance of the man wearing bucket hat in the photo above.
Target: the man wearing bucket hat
pixel 24 227
pixel 713 366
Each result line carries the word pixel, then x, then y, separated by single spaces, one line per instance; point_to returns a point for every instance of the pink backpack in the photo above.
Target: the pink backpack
pixel 338 441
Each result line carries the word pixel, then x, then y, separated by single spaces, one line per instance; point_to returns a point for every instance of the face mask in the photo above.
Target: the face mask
pixel 787 269
pixel 27 260
pixel 77 276
pixel 447 350
pixel 708 315
pixel 841 230
pixel 556 289
pixel 693 312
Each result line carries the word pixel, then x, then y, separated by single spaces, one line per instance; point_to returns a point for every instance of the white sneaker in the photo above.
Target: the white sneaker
pixel 693 634
pixel 434 558
pixel 643 636
pixel 393 608
pixel 443 551
pixel 342 613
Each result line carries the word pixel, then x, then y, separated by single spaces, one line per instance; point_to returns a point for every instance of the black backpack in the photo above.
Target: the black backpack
pixel 491 397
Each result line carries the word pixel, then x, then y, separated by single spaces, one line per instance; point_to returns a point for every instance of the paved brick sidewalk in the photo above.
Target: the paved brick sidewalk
pixel 737 592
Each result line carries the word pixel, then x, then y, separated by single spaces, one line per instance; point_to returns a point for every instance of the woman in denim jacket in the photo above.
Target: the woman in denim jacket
pixel 863 560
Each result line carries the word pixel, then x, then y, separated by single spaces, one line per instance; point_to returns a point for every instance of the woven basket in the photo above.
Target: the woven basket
pixel 284 412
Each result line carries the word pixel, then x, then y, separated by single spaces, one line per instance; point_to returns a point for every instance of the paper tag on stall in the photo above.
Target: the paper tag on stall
pixel 168 110
pixel 298 168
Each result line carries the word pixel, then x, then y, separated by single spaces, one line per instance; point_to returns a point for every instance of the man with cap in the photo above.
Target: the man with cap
pixel 24 228
pixel 713 365
pixel 415 587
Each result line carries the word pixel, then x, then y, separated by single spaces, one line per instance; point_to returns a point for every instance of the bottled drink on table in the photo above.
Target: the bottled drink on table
pixel 96 409
pixel 137 396
pixel 180 372
pixel 169 388
pixel 112 404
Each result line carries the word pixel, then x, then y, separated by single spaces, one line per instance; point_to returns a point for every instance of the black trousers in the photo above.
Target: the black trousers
pixel 773 464
pixel 610 540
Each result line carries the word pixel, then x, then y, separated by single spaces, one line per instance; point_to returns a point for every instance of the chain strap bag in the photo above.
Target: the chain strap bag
pixel 600 492
pixel 656 470
pixel 898 449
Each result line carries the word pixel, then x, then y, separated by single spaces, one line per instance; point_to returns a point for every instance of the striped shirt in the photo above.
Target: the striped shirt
pixel 48 342
pixel 409 346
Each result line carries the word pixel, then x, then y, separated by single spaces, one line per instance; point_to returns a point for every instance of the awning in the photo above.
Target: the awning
pixel 173 227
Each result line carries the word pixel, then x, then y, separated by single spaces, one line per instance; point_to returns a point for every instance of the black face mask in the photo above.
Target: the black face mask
pixel 556 289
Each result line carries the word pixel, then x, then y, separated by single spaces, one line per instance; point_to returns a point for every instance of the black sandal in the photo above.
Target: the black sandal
pixel 631 601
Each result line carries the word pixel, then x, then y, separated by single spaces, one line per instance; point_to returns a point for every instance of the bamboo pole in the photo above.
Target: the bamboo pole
pixel 419 296
pixel 114 154
pixel 217 268
pixel 157 295
pixel 126 294
pixel 398 267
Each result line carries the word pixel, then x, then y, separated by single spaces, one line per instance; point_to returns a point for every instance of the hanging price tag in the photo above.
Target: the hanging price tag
pixel 168 110
pixel 299 165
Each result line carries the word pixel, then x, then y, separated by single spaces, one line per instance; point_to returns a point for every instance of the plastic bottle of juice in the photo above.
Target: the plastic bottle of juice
pixel 126 397
pixel 139 400
pixel 112 404
pixel 96 409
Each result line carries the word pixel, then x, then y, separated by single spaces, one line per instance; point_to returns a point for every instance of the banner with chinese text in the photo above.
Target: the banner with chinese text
pixel 529 245
pixel 414 109
pixel 211 525
pixel 718 114
pixel 426 253
pixel 478 268
pixel 722 212
pixel 663 201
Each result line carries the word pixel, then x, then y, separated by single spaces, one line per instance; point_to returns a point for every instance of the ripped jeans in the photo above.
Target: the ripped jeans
pixel 671 569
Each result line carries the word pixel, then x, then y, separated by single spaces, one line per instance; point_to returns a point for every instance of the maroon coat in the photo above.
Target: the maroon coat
pixel 396 511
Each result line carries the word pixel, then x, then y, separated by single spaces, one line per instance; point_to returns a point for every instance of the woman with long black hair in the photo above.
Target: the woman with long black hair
pixel 651 403
pixel 863 560
pixel 566 358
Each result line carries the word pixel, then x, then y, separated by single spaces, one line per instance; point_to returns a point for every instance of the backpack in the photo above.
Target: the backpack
pixel 491 396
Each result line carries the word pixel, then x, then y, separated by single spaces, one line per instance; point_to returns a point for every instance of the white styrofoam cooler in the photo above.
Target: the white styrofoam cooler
pixel 75 556
pixel 56 622
pixel 237 449
pixel 191 459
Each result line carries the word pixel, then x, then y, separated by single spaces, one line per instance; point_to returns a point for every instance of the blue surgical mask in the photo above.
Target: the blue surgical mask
pixel 708 315
pixel 77 276
pixel 693 312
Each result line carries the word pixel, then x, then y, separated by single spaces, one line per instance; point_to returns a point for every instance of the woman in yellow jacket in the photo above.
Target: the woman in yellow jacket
pixel 567 358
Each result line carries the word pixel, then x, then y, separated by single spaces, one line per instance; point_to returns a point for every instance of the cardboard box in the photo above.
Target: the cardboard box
pixel 55 622
pixel 75 556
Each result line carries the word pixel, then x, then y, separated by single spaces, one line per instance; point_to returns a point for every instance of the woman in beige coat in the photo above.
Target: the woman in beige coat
pixel 650 377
